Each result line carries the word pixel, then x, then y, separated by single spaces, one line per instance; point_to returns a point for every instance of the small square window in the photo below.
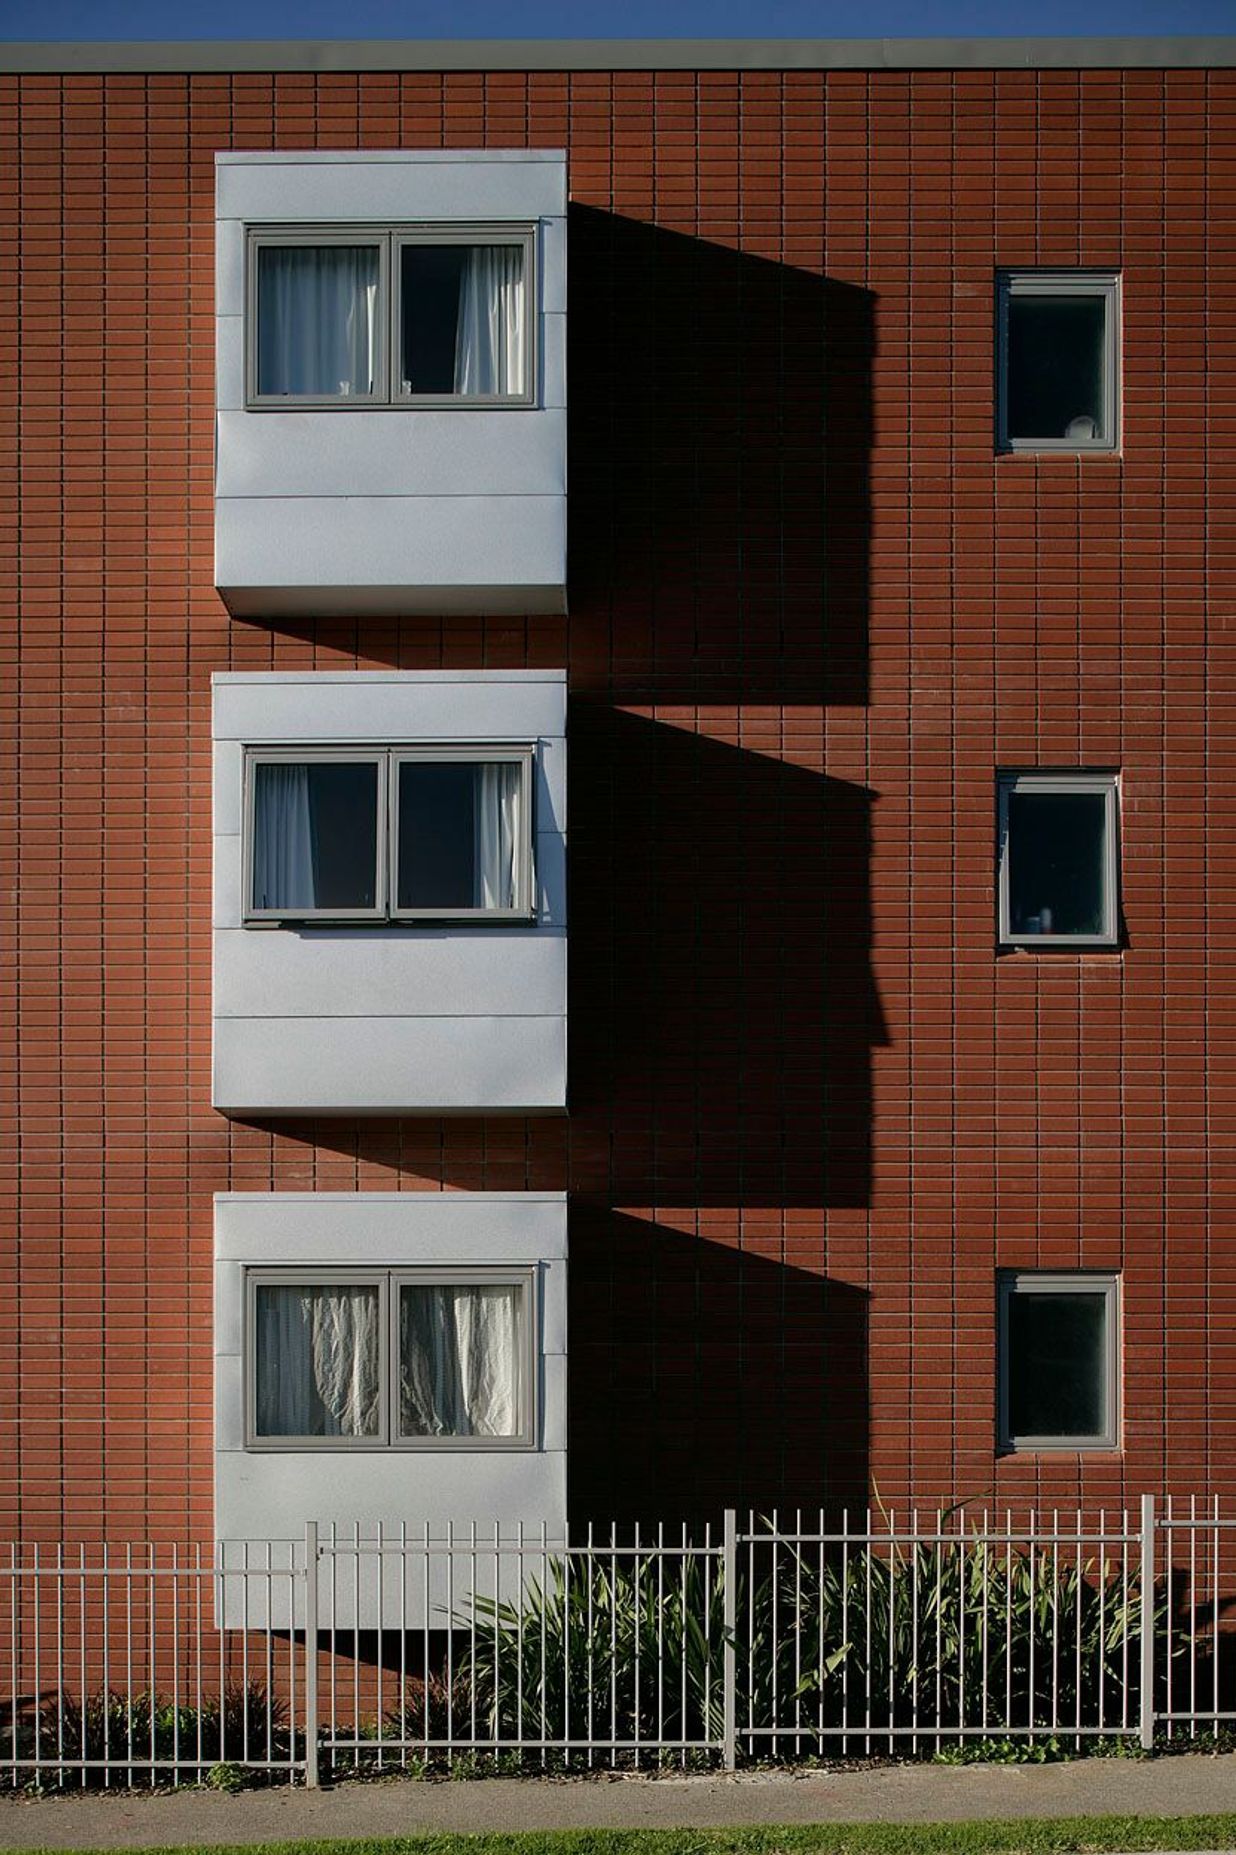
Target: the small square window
pixel 1059 1378
pixel 372 834
pixel 1058 860
pixel 1059 352
pixel 375 1359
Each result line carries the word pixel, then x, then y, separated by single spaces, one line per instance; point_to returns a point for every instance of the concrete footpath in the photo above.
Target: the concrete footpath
pixel 1181 1786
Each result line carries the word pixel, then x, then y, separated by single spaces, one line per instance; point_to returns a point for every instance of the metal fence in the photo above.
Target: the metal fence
pixel 766 1638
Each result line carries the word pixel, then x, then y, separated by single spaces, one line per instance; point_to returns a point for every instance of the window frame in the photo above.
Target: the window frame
pixel 523 236
pixel 390 239
pixel 309 1277
pixel 466 756
pixel 294 756
pixel 389 1278
pixel 1011 1282
pixel 389 757
pixel 1031 780
pixel 1080 283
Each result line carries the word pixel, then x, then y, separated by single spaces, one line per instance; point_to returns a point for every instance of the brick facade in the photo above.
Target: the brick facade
pixel 813 1111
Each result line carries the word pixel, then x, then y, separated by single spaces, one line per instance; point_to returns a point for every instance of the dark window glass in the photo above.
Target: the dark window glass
pixel 459 834
pixel 437 835
pixel 1055 366
pixel 1056 861
pixel 315 835
pixel 463 325
pixel 1057 1364
pixel 432 275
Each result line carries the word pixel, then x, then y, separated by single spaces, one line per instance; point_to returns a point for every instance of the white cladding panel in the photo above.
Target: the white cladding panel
pixel 445 509
pixel 388 1018
pixel 388 1065
pixel 271 1494
pixel 389 454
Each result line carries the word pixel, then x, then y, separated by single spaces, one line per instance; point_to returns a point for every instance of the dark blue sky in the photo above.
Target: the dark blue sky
pixel 250 19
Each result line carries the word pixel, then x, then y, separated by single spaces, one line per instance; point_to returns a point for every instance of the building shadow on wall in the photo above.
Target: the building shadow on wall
pixel 722 1008
pixel 720 437
pixel 704 1376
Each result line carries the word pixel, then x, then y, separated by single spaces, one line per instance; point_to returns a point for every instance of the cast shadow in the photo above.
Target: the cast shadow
pixel 705 1376
pixel 720 432
pixel 722 1009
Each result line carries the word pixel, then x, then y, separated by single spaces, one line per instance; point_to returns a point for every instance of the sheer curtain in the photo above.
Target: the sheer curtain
pixel 317 319
pixel 495 817
pixel 283 849
pixel 318 1362
pixel 490 340
pixel 459 1360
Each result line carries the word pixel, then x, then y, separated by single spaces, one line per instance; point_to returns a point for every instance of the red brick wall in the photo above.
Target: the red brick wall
pixel 811 614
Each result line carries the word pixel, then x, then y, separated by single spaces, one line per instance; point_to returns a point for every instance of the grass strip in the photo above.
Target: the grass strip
pixel 1076 1835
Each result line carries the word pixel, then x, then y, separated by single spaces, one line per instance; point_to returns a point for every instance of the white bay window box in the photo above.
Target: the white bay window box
pixel 391 387
pixel 389 1360
pixel 390 895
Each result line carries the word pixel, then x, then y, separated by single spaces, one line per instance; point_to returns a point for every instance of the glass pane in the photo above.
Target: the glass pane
pixel 318 1361
pixel 315 834
pixel 1055 366
pixel 318 320
pixel 463 322
pixel 459 833
pixel 459 1353
pixel 1057 1364
pixel 1056 859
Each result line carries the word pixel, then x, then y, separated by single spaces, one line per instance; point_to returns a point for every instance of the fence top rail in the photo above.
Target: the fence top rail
pixel 975 1536
pixel 531 1548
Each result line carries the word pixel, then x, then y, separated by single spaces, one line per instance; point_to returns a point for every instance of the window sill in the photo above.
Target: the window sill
pixel 482 918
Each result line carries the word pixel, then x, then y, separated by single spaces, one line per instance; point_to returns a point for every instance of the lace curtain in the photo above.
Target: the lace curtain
pixel 459 1360
pixel 318 1361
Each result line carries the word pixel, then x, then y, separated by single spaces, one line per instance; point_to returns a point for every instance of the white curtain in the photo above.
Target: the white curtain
pixel 283 863
pixel 318 1362
pixel 317 319
pixel 459 1360
pixel 496 827
pixel 491 336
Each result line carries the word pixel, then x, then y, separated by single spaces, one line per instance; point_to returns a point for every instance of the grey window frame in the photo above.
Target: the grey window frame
pixel 309 1277
pixel 388 1278
pixel 390 240
pixel 388 757
pixel 525 758
pixel 523 236
pixel 523 1277
pixel 259 236
pixel 1106 783
pixel 305 756
pixel 1012 1282
pixel 1080 283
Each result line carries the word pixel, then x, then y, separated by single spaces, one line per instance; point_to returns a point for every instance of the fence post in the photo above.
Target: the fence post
pixel 311 1655
pixel 729 1654
pixel 1147 1622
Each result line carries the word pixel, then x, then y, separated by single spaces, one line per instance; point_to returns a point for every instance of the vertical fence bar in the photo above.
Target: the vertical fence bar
pixel 729 1624
pixel 311 1655
pixel 1147 1623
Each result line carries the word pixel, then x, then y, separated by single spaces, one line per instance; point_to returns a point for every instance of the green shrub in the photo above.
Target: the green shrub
pixel 943 1634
